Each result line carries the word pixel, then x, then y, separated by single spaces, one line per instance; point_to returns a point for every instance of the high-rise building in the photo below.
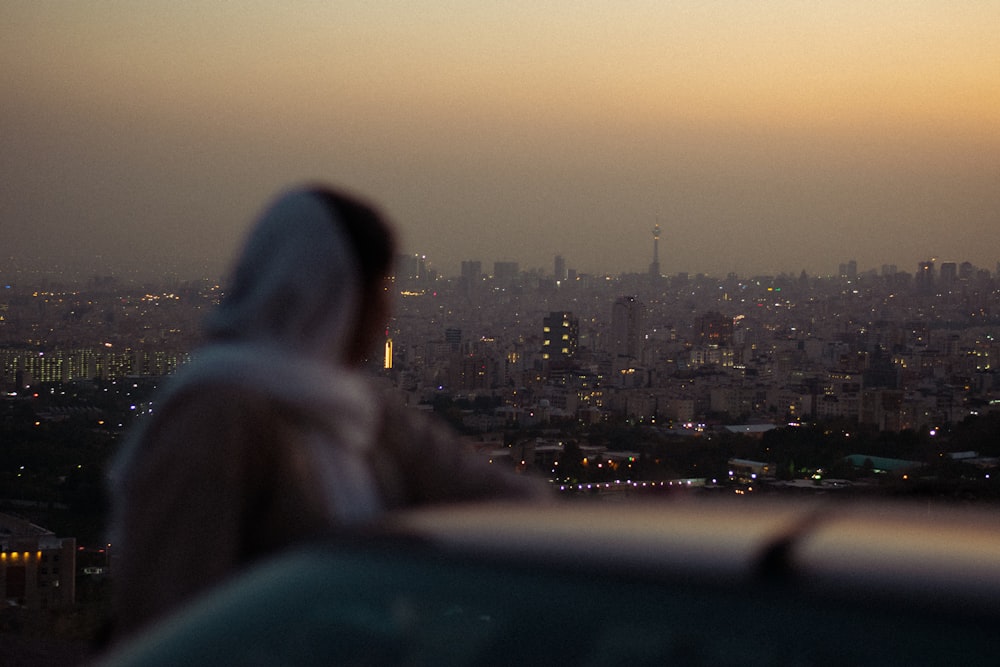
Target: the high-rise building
pixel 559 268
pixel 505 271
pixel 925 277
pixel 948 273
pixel 453 338
pixel 472 270
pixel 406 267
pixel 560 336
pixel 627 319
pixel 471 278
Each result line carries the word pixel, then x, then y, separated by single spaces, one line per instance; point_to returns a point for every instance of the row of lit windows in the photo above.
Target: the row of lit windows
pixel 18 556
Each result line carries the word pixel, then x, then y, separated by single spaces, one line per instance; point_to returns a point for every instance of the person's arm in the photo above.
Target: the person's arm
pixel 419 459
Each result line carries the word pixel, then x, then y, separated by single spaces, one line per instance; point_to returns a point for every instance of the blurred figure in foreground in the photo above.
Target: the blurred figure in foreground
pixel 270 436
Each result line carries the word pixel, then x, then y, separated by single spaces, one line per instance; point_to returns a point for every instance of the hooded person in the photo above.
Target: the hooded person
pixel 270 436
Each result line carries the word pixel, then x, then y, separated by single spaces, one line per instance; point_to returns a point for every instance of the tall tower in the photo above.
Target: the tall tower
pixel 654 266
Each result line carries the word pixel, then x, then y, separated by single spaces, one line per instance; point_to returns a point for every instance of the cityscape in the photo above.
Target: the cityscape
pixel 875 382
pixel 652 256
pixel 886 350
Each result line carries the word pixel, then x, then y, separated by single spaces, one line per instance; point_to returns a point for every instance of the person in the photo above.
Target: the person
pixel 271 436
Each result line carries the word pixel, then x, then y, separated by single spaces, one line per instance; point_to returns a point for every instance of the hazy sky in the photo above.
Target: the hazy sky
pixel 764 136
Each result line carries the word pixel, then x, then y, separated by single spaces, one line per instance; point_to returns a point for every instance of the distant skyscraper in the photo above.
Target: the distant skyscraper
pixel 627 318
pixel 412 267
pixel 472 270
pixel 925 277
pixel 505 271
pixel 560 336
pixel 471 278
pixel 559 268
pixel 407 266
pixel 453 337
pixel 654 266
pixel 948 273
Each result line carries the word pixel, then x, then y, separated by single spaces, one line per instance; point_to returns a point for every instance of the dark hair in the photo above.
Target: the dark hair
pixel 370 233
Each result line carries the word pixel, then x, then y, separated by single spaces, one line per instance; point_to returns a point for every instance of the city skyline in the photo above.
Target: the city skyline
pixel 29 270
pixel 762 137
